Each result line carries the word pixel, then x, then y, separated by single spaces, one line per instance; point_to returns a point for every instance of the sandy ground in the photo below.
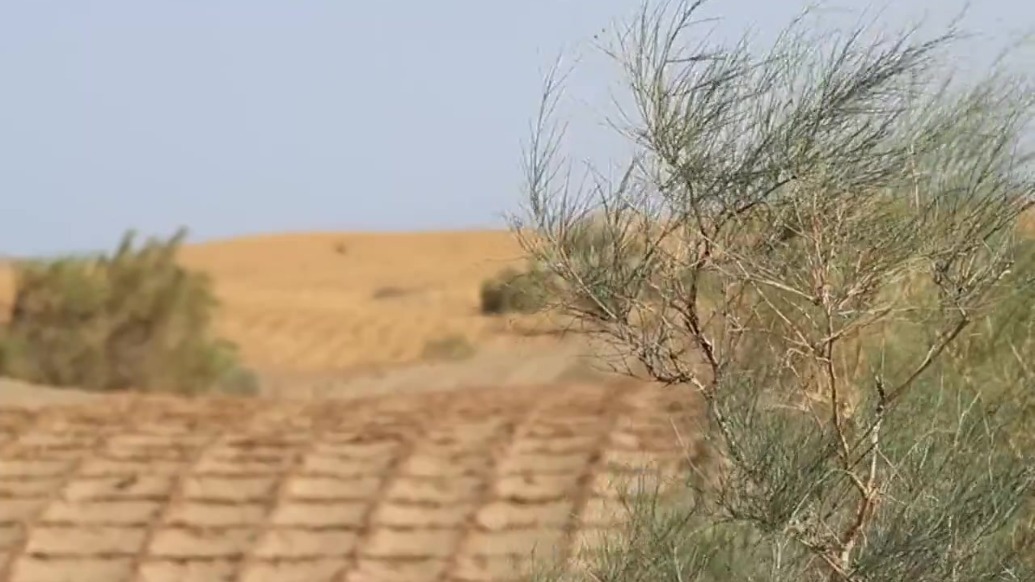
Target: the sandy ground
pixel 363 460
pixel 465 484
pixel 332 302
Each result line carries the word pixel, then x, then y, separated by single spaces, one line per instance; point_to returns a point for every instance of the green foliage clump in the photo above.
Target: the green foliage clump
pixel 605 259
pixel 605 252
pixel 131 320
pixel 824 256
pixel 514 291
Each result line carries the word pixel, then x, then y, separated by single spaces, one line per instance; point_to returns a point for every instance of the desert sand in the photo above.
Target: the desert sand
pixel 364 458
pixel 329 302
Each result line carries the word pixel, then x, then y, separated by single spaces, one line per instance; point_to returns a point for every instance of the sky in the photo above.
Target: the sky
pixel 235 117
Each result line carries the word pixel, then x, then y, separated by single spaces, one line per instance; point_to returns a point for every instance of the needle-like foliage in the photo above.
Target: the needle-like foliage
pixel 819 239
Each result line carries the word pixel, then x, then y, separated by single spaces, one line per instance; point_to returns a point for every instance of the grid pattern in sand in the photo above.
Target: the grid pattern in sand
pixel 461 485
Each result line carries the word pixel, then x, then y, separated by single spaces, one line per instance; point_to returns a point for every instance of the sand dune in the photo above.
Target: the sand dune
pixel 331 302
pixel 347 314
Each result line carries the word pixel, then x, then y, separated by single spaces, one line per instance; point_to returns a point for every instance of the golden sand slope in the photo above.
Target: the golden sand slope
pixel 333 301
pixel 452 486
pixel 326 301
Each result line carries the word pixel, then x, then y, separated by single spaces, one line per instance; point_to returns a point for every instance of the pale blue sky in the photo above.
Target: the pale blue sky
pixel 242 116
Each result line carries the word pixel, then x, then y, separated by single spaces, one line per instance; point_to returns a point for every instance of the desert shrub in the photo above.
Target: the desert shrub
pixel 602 252
pixel 827 230
pixel 605 251
pixel 514 291
pixel 134 319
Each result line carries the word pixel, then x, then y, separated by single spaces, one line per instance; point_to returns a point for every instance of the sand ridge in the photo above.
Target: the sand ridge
pixel 455 485
pixel 319 302
pixel 329 301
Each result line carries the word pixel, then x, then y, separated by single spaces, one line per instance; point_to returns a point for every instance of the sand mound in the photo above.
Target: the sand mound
pixel 458 485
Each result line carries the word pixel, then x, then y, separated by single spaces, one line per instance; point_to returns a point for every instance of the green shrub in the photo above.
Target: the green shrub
pixel 832 271
pixel 513 291
pixel 131 320
pixel 606 258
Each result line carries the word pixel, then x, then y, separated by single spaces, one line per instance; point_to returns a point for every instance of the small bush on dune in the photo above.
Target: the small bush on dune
pixel 600 251
pixel 131 320
pixel 603 254
pixel 514 291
